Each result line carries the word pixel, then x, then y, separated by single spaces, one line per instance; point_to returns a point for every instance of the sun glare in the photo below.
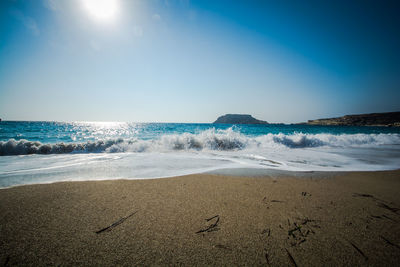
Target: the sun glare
pixel 103 10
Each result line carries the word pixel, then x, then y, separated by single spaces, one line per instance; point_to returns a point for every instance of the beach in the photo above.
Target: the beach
pixel 199 133
pixel 349 218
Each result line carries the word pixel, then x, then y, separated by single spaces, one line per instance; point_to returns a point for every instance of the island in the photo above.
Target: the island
pixel 386 119
pixel 239 119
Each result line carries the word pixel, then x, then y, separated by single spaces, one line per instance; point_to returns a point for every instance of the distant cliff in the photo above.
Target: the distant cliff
pixel 239 119
pixel 373 119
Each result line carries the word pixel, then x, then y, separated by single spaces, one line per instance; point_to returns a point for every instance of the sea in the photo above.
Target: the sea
pixel 33 152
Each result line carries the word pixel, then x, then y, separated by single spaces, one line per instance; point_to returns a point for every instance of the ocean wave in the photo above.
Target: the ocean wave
pixel 300 140
pixel 225 140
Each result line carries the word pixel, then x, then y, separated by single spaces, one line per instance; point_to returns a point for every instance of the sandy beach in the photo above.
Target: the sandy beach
pixel 341 219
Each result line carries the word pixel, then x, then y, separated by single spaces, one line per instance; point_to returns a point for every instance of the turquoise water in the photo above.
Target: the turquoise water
pixel 40 152
pixel 55 132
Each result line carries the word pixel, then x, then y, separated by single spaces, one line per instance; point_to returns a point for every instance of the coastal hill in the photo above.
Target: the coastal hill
pixel 372 119
pixel 239 119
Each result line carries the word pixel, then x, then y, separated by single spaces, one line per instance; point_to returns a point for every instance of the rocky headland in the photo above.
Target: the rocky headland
pixel 239 119
pixel 386 119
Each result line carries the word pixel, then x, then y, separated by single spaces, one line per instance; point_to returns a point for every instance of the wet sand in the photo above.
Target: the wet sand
pixel 346 219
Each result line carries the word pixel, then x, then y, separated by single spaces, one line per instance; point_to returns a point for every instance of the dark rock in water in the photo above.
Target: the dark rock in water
pixel 239 119
pixel 373 119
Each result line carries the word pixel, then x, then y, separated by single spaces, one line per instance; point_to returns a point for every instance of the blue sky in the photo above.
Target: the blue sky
pixel 191 61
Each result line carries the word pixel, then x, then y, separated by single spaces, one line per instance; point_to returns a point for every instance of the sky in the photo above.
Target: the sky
pixel 192 61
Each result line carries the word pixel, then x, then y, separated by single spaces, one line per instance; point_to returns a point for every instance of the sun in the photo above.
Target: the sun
pixel 102 10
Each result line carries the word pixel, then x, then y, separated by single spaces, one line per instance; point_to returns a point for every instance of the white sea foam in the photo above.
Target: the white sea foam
pixel 142 151
pixel 209 140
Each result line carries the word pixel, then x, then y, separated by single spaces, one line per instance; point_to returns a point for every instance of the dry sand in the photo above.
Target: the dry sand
pixel 347 219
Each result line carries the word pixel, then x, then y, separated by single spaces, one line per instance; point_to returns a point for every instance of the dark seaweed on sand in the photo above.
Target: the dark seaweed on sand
pixel 108 228
pixel 212 227
pixel 291 258
pixel 390 243
pixel 359 250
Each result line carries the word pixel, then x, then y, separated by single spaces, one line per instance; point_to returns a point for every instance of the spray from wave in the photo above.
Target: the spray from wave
pixel 211 139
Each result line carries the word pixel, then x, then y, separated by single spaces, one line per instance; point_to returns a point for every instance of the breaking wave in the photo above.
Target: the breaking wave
pixel 226 140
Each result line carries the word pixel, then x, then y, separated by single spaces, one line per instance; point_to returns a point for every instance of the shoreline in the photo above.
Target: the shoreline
pixel 228 172
pixel 352 218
